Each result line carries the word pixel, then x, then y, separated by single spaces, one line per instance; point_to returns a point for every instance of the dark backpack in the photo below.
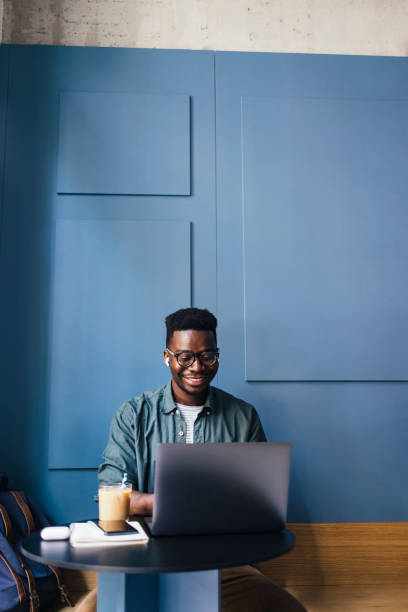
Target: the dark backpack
pixel 24 584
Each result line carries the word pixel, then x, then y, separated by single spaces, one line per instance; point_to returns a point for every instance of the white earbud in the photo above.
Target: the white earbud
pixel 167 361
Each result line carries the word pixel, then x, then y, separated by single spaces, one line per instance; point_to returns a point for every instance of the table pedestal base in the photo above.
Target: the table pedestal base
pixel 176 592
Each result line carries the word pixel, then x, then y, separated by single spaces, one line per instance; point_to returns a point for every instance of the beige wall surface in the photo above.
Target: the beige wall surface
pixel 1 20
pixel 367 27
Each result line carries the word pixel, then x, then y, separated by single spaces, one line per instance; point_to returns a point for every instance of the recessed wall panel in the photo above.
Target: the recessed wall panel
pixel 3 115
pixel 122 143
pixel 325 248
pixel 114 283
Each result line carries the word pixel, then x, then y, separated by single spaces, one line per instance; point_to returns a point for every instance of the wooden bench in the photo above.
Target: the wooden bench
pixel 335 567
pixel 338 567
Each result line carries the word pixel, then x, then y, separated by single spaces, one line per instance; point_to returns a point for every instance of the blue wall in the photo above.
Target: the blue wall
pixel 271 189
pixel 312 252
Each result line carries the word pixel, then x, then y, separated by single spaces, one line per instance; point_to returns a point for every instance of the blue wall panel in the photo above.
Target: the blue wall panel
pixel 25 264
pixel 36 375
pixel 311 258
pixel 124 143
pixel 349 446
pixel 5 367
pixel 325 249
pixel 113 283
pixel 3 115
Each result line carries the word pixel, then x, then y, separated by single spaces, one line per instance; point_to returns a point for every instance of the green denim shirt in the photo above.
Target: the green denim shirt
pixel 144 421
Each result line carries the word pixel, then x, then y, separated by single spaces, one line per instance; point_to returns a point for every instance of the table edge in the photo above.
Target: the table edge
pixel 291 540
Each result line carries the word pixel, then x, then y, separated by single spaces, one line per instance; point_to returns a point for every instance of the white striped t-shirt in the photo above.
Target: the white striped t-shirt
pixel 189 414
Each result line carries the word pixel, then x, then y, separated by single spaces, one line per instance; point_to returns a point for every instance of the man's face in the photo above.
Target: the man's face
pixel 190 384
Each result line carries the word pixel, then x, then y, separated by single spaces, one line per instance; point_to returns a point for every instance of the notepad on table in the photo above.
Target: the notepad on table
pixel 88 534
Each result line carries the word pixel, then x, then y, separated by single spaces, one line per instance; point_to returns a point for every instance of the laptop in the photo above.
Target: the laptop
pixel 215 488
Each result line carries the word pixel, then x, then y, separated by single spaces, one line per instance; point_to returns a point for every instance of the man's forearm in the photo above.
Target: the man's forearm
pixel 141 503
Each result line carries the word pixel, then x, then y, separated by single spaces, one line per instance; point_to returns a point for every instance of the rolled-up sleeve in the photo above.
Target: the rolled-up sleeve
pixel 256 432
pixel 119 455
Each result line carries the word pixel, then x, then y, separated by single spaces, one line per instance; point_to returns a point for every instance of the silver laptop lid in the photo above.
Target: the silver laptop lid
pixel 221 488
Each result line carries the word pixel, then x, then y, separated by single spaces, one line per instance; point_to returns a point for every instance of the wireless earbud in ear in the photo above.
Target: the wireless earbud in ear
pixel 167 361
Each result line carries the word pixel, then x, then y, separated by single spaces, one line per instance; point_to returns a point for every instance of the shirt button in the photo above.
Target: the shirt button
pixel 181 433
pixel 177 411
pixel 208 412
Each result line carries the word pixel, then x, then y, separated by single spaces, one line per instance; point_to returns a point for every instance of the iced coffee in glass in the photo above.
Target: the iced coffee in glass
pixel 114 501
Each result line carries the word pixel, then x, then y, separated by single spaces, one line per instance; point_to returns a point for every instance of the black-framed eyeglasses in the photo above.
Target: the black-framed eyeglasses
pixel 187 358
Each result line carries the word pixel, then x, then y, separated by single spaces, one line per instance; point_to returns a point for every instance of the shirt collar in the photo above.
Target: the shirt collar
pixel 169 405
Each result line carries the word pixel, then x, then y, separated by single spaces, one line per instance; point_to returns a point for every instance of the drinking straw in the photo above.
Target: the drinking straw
pixel 124 479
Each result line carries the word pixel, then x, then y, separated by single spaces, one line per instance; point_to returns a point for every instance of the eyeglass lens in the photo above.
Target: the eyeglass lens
pixel 206 358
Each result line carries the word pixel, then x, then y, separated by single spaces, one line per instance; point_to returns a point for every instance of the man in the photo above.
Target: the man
pixel 188 410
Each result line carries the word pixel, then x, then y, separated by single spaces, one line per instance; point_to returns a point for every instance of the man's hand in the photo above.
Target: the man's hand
pixel 141 503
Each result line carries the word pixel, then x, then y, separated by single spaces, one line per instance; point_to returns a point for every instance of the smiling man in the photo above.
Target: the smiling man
pixel 188 410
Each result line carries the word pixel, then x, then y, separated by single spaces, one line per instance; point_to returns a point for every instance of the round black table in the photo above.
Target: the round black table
pixel 179 567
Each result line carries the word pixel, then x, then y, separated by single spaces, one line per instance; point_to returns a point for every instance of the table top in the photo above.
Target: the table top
pixel 162 554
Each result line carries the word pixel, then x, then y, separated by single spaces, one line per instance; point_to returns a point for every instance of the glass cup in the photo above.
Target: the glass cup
pixel 114 501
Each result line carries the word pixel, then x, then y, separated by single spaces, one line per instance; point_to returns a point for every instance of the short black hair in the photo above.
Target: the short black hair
pixel 190 318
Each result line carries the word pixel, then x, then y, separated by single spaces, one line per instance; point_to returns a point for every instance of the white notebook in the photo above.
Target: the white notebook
pixel 88 534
